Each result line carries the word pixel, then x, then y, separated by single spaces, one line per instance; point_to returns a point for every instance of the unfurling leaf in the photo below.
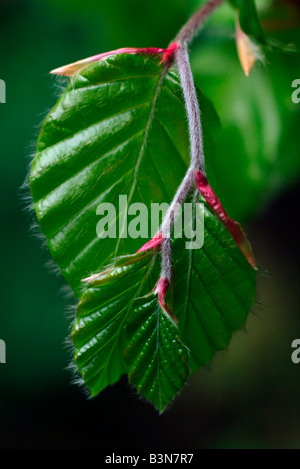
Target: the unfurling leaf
pixel 248 52
pixel 99 329
pixel 251 26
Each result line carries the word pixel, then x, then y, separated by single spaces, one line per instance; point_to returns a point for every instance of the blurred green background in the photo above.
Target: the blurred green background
pixel 248 398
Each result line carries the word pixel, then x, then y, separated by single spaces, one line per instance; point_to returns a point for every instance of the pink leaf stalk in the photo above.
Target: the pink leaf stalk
pixel 153 243
pixel 169 53
pixel 162 287
pixel 163 283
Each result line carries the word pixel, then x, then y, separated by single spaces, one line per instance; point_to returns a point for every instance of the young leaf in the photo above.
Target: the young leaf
pixel 248 52
pixel 99 329
pixel 117 129
pixel 214 289
pixel 232 226
pixel 158 359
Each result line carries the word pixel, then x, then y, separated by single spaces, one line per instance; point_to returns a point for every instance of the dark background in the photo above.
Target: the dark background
pixel 249 396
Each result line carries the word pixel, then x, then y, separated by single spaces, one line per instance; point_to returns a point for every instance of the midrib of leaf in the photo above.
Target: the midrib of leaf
pixel 190 301
pixel 143 146
pixel 153 360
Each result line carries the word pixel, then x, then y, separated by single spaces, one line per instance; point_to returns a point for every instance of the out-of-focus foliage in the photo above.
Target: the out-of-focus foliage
pixel 250 24
pixel 256 150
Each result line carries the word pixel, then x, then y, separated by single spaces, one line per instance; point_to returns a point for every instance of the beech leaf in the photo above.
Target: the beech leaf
pixel 99 329
pixel 159 360
pixel 120 128
pixel 116 130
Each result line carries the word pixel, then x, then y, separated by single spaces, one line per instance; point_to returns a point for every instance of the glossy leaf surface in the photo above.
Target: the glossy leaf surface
pixel 114 131
pixel 159 361
pixel 214 290
pixel 99 329
pixel 120 129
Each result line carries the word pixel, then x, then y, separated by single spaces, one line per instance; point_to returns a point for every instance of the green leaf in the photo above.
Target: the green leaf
pixel 158 359
pixel 214 290
pixel 113 131
pixel 117 129
pixel 98 331
pixel 251 26
pixel 213 293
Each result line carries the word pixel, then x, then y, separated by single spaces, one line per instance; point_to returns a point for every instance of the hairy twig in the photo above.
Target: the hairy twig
pixel 167 224
pixel 177 202
pixel 192 108
pixel 184 37
pixel 191 28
